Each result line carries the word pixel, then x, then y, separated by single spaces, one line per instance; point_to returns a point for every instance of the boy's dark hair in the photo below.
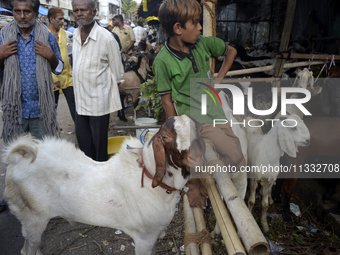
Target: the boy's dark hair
pixel 173 11
pixel 140 23
pixel 52 13
pixel 119 17
pixel 35 4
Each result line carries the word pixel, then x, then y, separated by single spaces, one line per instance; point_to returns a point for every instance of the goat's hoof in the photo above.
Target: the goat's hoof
pixel 265 229
pixel 122 118
pixel 250 206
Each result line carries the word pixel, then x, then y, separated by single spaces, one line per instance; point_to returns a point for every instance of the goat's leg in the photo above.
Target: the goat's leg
pixel 277 190
pixel 253 187
pixel 32 231
pixel 145 246
pixel 121 114
pixel 240 182
pixel 216 231
pixel 287 194
pixel 265 198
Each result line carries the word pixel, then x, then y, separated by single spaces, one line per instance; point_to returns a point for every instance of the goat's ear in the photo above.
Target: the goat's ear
pixel 146 60
pixel 159 154
pixel 286 142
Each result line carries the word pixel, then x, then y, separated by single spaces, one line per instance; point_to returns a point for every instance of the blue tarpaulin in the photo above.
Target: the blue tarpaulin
pixel 43 11
pixel 4 10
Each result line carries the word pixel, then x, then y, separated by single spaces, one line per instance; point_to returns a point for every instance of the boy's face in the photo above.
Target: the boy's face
pixel 191 31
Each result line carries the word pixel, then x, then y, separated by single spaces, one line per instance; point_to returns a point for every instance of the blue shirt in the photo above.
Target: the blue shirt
pixel 27 62
pixel 71 29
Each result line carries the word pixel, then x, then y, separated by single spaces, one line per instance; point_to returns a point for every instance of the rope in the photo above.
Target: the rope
pixel 199 238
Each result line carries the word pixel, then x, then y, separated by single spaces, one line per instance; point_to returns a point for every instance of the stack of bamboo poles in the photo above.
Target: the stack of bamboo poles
pixel 254 242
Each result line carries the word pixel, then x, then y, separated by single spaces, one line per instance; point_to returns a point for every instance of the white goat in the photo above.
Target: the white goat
pixel 109 194
pixel 264 152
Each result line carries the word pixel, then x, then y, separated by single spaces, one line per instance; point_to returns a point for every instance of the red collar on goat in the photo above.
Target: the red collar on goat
pixel 147 173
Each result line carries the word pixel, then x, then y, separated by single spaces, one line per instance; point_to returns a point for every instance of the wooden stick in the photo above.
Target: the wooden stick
pixel 270 79
pixel 230 237
pixel 268 68
pixel 250 233
pixel 287 29
pixel 135 127
pixel 200 224
pixel 189 226
pixel 98 245
pixel 309 56
pixel 208 29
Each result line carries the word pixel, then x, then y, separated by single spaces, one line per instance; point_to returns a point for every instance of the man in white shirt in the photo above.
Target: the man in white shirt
pixel 96 70
pixel 139 32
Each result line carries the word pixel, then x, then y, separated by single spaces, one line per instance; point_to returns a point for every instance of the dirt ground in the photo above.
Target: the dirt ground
pixel 62 238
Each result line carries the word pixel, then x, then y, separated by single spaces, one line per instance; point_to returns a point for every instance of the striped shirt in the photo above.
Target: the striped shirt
pixel 97 69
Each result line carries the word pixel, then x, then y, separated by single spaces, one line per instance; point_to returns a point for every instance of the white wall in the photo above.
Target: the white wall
pixel 65 4
pixel 51 2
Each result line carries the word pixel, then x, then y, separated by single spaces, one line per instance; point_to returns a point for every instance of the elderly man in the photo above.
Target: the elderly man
pixel 125 33
pixel 28 54
pixel 97 69
pixel 63 82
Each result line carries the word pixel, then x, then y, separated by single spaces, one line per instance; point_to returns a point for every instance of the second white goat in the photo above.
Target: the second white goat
pixel 264 152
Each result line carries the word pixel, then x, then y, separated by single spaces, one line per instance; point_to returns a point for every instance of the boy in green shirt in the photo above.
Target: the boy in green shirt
pixel 186 56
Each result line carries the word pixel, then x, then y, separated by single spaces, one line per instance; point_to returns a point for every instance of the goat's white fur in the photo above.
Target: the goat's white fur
pixel 266 150
pixel 72 186
pixel 184 132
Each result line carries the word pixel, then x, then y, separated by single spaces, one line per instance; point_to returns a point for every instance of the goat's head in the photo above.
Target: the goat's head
pixel 177 146
pixel 290 136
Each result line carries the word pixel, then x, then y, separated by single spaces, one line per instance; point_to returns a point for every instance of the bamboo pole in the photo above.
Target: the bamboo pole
pixel 269 68
pixel 208 28
pixel 189 226
pixel 309 56
pixel 250 233
pixel 200 225
pixel 287 29
pixel 232 241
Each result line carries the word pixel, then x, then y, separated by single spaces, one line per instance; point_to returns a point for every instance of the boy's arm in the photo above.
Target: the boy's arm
pixel 228 61
pixel 168 105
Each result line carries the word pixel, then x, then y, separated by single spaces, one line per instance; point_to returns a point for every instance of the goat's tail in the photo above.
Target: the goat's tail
pixel 23 147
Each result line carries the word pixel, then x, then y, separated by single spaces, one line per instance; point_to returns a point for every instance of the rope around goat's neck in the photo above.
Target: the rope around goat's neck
pixel 199 238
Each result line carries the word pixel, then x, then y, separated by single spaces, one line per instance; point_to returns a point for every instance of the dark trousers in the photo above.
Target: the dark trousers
pixel 69 95
pixel 92 135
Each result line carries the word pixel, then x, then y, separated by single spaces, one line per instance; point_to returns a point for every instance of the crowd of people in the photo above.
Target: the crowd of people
pixel 35 61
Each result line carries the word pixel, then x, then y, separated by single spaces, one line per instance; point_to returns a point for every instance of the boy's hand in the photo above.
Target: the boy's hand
pixel 8 49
